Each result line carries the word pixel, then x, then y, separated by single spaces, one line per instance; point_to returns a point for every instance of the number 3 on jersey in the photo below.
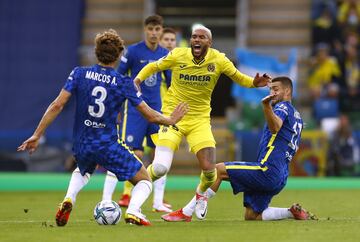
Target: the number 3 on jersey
pixel 98 101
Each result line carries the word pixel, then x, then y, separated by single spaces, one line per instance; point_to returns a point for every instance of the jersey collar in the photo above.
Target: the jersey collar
pixel 199 62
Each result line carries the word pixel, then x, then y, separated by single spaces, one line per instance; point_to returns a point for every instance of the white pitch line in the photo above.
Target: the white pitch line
pixel 49 222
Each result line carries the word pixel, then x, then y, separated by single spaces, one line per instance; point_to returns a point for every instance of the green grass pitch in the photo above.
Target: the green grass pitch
pixel 338 210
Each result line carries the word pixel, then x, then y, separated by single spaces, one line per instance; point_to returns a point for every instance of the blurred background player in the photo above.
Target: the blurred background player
pixel 134 127
pixel 263 179
pixel 195 72
pixel 168 38
pixel 100 91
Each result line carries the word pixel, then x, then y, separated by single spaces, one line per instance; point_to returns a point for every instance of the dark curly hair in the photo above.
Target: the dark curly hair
pixel 108 46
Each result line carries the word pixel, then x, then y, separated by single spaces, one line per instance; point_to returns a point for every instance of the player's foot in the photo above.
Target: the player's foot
pixel 161 209
pixel 137 218
pixel 300 213
pixel 63 213
pixel 124 201
pixel 166 204
pixel 176 216
pixel 201 206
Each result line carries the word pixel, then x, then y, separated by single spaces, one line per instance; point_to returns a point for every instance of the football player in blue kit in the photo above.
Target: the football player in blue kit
pixel 100 91
pixel 267 176
pixel 134 127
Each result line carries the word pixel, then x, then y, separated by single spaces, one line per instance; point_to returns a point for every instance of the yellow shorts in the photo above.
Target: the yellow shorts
pixel 197 132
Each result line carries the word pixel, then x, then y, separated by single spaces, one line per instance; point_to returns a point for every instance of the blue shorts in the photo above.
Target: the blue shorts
pixel 113 157
pixel 254 179
pixel 134 128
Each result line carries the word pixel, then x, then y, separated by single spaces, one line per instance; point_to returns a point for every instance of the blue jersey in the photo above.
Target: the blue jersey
pixel 263 179
pixel 277 150
pixel 136 57
pixel 100 92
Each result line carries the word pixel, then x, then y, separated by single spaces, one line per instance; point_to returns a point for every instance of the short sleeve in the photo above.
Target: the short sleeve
pixel 228 67
pixel 125 62
pixel 281 110
pixel 168 61
pixel 72 81
pixel 134 97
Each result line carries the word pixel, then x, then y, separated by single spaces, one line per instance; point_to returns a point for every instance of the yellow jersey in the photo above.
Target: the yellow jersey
pixel 193 81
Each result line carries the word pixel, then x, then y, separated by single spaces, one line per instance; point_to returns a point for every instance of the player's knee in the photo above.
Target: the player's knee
pixel 250 214
pixel 160 170
pixel 249 217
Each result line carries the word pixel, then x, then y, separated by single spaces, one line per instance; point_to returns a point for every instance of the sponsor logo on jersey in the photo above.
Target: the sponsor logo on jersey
pixel 211 67
pixel 182 66
pixel 94 124
pixel 199 78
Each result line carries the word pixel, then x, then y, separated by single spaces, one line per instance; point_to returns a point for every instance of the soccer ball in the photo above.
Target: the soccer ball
pixel 107 213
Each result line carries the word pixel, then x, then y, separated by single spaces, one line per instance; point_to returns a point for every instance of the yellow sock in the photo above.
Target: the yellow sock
pixel 207 178
pixel 151 172
pixel 127 188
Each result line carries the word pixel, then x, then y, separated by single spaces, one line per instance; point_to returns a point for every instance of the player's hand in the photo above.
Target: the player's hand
pixel 261 81
pixel 30 144
pixel 267 100
pixel 179 112
pixel 137 83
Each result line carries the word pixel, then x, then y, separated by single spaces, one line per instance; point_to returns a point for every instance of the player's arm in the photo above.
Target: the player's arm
pixel 49 116
pixel 242 79
pixel 162 64
pixel 274 122
pixel 155 117
pixel 125 63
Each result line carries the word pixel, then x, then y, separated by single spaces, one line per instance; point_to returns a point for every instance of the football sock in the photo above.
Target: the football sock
pixel 159 189
pixel 77 182
pixel 140 193
pixel 109 186
pixel 127 188
pixel 276 213
pixel 207 178
pixel 189 209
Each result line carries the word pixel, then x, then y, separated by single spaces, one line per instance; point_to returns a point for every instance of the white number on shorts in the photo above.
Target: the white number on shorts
pixel 99 101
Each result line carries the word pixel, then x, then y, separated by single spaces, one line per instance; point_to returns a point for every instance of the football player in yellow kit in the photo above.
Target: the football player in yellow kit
pixel 195 72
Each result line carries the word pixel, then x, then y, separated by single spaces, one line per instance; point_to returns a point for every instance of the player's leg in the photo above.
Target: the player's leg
pixel 132 132
pixel 275 213
pixel 202 143
pixel 118 159
pixel 141 191
pixel 159 184
pixel 257 207
pixel 185 214
pixel 168 141
pixel 79 178
pixel 128 186
pixel 109 185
